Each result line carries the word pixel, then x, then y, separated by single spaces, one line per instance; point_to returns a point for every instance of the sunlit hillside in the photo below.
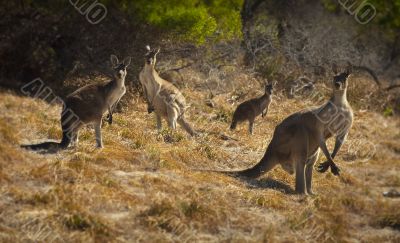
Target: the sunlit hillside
pixel 143 187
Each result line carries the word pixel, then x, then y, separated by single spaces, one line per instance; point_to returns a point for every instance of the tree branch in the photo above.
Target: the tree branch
pixel 370 71
pixel 392 87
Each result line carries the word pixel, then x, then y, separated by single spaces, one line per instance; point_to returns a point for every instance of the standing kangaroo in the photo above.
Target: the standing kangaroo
pixel 162 96
pixel 250 109
pixel 297 140
pixel 87 105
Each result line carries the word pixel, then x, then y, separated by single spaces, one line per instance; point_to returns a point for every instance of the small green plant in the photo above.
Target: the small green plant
pixel 190 209
pixel 388 111
pixel 171 136
pixel 41 198
pixel 330 5
pixel 208 151
pixel 389 219
pixel 223 116
pixel 154 154
pixel 76 222
pixel 159 209
pixel 109 182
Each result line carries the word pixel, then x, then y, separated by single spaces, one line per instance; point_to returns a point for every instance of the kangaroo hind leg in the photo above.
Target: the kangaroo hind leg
pixel 159 123
pixel 251 126
pixel 172 117
pixel 300 177
pixel 309 170
pixel 75 138
pixel 300 159
pixel 99 140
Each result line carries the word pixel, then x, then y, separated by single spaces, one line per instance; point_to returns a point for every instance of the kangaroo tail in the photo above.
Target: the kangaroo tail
pixel 266 164
pixel 188 128
pixel 235 120
pixel 233 124
pixel 65 141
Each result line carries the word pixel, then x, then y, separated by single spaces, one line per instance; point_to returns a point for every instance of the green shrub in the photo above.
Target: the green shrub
pixel 190 20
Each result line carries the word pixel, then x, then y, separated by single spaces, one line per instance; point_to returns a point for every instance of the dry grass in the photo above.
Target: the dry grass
pixel 140 187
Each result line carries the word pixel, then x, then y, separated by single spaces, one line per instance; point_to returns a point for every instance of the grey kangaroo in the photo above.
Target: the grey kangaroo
pixel 162 96
pixel 87 106
pixel 250 109
pixel 297 140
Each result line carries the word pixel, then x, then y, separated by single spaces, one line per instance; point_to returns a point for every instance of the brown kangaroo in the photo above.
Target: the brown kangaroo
pixel 87 105
pixel 250 109
pixel 297 140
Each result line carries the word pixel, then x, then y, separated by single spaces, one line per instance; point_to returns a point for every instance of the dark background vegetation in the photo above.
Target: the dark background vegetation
pixel 266 39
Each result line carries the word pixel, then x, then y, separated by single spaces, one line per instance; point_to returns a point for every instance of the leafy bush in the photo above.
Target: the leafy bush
pixel 388 15
pixel 387 12
pixel 191 20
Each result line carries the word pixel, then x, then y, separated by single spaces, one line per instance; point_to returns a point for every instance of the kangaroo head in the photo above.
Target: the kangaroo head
pixel 340 80
pixel 269 88
pixel 119 68
pixel 151 55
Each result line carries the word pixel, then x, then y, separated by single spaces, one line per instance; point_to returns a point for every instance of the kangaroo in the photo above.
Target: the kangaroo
pixel 162 96
pixel 298 139
pixel 87 105
pixel 250 109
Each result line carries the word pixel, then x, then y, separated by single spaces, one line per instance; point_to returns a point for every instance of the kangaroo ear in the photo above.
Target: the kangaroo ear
pixel 127 61
pixel 114 60
pixel 148 48
pixel 335 68
pixel 349 68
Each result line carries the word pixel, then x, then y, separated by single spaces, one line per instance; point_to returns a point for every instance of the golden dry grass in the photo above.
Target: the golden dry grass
pixel 141 186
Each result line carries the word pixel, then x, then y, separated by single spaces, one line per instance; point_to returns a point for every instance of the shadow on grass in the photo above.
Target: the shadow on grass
pixel 269 183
